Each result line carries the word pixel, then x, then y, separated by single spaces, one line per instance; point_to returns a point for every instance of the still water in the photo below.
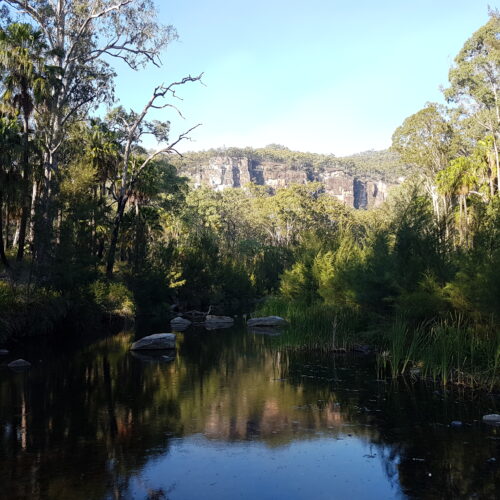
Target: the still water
pixel 235 416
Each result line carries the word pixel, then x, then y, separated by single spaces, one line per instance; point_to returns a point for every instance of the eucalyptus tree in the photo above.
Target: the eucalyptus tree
pixel 21 60
pixel 132 126
pixel 425 140
pixel 475 81
pixel 82 36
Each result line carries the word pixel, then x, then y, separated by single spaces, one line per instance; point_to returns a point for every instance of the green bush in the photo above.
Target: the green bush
pixel 112 297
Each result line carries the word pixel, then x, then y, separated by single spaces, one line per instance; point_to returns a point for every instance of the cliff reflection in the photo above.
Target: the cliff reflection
pixel 81 426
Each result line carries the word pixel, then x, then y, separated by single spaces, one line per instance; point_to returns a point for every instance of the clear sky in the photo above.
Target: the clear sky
pixel 323 76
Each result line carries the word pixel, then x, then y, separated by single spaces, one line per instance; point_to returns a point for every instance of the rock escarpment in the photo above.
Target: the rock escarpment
pixel 222 172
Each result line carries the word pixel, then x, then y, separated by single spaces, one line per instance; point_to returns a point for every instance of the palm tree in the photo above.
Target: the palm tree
pixel 9 150
pixel 21 61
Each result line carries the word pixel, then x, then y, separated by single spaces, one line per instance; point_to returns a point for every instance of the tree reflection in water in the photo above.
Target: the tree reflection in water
pixel 83 424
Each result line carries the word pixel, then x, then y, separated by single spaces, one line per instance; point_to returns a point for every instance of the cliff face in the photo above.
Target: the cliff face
pixel 223 172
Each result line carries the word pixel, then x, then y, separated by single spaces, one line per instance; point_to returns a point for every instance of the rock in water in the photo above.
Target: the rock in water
pixel 3 352
pixel 19 364
pixel 156 341
pixel 267 321
pixel 212 321
pixel 493 419
pixel 180 323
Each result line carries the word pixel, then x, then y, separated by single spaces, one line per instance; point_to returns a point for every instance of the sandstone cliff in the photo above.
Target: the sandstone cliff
pixel 222 171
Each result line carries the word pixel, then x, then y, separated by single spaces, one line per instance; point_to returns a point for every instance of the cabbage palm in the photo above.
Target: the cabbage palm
pixel 21 62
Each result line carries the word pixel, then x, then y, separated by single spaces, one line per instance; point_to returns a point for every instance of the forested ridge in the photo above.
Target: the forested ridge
pixel 93 224
pixel 375 165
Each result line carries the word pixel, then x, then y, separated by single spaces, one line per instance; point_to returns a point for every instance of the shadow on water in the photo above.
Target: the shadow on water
pixel 234 414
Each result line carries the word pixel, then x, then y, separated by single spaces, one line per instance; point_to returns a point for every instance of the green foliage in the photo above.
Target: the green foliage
pixel 112 297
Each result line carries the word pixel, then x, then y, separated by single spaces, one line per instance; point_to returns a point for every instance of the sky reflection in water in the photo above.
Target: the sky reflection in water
pixel 235 416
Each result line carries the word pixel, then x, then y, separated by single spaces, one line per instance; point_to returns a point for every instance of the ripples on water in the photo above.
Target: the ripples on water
pixel 235 416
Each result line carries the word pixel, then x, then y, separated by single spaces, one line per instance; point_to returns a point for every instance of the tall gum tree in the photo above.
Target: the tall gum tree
pixel 475 81
pixel 425 140
pixel 81 37
pixel 132 127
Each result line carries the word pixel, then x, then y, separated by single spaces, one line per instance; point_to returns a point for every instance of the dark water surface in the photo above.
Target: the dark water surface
pixel 235 416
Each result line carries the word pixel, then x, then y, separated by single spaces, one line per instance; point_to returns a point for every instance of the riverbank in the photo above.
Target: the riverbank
pixel 29 311
pixel 449 349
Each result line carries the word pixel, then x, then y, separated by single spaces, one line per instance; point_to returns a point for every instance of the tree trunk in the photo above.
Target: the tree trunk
pixel 44 226
pixel 120 209
pixel 26 210
pixel 3 257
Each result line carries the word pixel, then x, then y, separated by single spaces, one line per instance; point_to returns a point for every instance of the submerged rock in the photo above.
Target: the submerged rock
pixel 180 323
pixel 212 322
pixel 19 364
pixel 3 352
pixel 493 419
pixel 156 341
pixel 267 321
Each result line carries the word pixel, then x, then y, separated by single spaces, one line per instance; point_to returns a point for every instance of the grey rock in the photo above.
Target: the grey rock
pixel 267 321
pixel 156 341
pixel 3 352
pixel 492 419
pixel 180 323
pixel 19 364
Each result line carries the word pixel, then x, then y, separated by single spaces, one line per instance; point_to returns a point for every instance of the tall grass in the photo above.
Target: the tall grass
pixel 316 326
pixel 450 350
pixel 447 350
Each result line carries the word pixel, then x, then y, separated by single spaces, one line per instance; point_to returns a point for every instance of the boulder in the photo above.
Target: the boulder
pixel 213 322
pixel 179 323
pixel 492 419
pixel 267 321
pixel 19 364
pixel 156 341
pixel 3 352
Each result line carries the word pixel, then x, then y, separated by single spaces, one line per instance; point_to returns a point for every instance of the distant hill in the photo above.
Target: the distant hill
pixel 372 165
pixel 359 181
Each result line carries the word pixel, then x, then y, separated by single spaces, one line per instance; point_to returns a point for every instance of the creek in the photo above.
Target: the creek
pixel 235 415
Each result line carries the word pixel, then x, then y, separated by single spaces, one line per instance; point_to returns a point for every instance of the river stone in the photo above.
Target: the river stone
pixel 3 352
pixel 156 341
pixel 19 364
pixel 180 323
pixel 493 418
pixel 267 321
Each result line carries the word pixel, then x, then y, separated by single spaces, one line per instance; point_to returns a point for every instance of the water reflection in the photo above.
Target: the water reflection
pixel 234 415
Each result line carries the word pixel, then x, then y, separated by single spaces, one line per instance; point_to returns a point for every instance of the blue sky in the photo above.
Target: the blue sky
pixel 321 76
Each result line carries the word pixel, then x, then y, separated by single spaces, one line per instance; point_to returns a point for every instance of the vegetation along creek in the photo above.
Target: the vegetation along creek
pixel 191 310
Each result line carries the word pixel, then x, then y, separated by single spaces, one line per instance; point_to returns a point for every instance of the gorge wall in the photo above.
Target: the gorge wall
pixel 223 172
